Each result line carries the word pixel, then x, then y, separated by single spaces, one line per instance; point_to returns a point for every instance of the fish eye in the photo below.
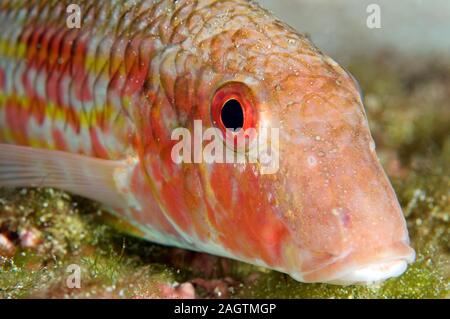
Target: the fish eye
pixel 232 115
pixel 232 108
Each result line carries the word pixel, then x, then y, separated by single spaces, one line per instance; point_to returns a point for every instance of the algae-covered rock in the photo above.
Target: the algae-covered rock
pixel 44 231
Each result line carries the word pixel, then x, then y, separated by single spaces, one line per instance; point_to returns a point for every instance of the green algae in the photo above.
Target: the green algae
pixel 73 233
pixel 408 106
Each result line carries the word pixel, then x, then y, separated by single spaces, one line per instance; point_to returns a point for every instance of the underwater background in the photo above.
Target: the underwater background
pixel 404 71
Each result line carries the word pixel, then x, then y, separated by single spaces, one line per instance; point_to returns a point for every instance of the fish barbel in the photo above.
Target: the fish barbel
pixel 91 110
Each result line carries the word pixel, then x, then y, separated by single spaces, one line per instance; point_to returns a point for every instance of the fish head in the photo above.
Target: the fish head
pixel 304 193
pixel 321 208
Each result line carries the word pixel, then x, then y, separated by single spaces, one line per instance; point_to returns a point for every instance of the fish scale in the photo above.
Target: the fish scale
pixel 68 66
pixel 92 110
pixel 59 69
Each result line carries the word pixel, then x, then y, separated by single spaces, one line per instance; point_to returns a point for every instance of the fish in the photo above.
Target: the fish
pixel 91 109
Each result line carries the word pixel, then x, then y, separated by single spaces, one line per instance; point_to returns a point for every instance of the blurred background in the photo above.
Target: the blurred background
pixel 338 27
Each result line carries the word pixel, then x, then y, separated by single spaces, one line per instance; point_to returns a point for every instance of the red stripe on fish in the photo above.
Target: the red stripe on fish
pixel 17 118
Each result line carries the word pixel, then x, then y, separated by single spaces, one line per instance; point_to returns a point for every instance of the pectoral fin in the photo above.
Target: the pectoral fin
pixel 22 166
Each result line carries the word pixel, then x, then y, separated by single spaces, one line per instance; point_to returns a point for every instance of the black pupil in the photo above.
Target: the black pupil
pixel 232 115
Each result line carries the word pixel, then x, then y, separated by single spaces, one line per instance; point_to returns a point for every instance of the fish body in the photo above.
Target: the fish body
pixel 92 110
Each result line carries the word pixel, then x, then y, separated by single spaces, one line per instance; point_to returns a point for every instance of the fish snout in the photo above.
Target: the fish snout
pixel 344 216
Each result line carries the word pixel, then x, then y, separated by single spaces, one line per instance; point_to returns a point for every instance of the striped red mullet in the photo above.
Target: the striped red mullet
pixel 91 110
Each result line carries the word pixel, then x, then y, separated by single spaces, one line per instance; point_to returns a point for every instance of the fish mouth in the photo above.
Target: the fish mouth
pixel 365 267
pixel 373 273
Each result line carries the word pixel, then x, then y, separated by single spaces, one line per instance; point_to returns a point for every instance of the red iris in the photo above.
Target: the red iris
pixel 233 110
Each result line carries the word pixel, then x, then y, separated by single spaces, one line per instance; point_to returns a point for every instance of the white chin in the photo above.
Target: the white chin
pixel 372 273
